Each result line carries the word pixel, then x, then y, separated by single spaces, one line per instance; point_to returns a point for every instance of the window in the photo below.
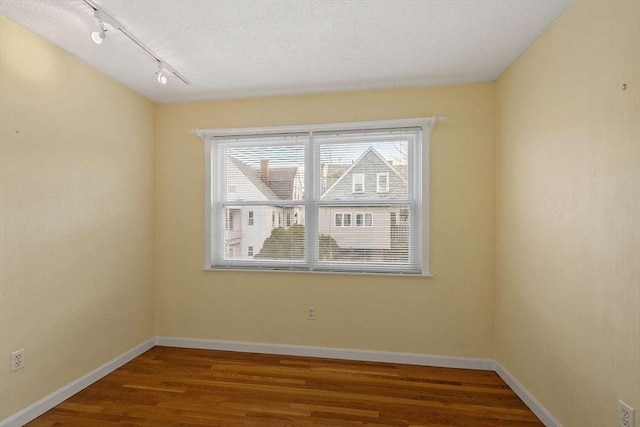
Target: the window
pixel 382 182
pixel 364 219
pixel 319 176
pixel 358 183
pixel 368 220
pixel 346 220
pixel 343 220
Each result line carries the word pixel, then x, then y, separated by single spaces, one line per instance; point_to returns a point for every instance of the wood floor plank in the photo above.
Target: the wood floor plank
pixel 187 387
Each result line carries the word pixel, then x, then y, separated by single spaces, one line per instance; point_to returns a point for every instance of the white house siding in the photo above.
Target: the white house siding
pixel 255 235
pixel 375 237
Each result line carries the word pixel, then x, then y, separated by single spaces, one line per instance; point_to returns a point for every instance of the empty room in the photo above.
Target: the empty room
pixel 320 213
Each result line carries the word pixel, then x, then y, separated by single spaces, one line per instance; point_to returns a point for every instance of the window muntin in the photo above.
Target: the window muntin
pixel 250 219
pixel 319 168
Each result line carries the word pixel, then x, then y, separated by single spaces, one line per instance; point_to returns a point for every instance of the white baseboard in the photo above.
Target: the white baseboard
pixel 536 407
pixel 331 353
pixel 43 405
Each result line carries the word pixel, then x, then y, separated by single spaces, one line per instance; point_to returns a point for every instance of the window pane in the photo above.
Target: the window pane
pixel 365 168
pixel 265 172
pixel 380 235
pixel 264 240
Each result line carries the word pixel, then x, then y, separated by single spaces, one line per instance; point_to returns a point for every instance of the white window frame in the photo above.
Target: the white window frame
pixel 343 219
pixel 379 189
pixel 251 219
pixel 364 219
pixel 359 181
pixel 250 251
pixel 370 214
pixel 346 215
pixel 420 250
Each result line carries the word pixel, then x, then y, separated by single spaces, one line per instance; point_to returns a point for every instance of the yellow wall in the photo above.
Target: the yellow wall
pixel 451 314
pixel 77 161
pixel 76 253
pixel 568 245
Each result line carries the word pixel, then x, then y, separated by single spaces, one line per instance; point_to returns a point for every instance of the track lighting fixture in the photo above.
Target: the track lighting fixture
pixel 164 70
pixel 162 74
pixel 98 36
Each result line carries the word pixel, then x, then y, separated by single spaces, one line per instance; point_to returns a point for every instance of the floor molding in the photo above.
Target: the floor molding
pixel 43 405
pixel 536 407
pixel 331 353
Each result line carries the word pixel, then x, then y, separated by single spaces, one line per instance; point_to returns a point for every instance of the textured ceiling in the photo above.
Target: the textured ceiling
pixel 240 48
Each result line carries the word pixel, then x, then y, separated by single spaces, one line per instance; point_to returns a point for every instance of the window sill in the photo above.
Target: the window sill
pixel 293 270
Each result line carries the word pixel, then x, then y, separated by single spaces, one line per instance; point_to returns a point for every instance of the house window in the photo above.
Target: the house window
pixel 368 220
pixel 346 220
pixel 382 182
pixel 321 172
pixel 358 183
pixel 364 219
pixel 342 220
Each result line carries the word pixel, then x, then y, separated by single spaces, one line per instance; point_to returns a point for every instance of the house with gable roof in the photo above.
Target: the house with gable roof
pixel 375 231
pixel 247 227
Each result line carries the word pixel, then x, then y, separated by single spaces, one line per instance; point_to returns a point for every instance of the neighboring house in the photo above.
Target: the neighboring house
pixel 247 227
pixel 377 232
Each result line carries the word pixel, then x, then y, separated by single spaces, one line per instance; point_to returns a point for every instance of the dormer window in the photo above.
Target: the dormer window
pixel 358 183
pixel 382 182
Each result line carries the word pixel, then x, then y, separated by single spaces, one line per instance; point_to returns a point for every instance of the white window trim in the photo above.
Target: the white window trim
pixel 342 217
pixel 364 219
pixel 378 188
pixel 353 183
pixel 422 251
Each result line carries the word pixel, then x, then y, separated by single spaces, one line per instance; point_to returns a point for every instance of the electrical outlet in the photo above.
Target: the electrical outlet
pixel 311 313
pixel 625 415
pixel 17 360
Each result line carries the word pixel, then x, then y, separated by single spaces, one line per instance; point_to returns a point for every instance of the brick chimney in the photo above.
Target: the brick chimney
pixel 264 171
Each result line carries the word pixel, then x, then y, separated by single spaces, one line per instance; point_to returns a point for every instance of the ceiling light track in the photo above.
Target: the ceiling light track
pixel 104 17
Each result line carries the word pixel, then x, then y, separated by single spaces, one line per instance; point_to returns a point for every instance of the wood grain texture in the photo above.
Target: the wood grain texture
pixel 186 387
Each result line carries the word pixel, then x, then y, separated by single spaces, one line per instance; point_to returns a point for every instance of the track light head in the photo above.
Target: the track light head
pixel 162 74
pixel 98 36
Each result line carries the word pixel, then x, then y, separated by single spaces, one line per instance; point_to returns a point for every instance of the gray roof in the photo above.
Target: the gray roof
pixel 281 179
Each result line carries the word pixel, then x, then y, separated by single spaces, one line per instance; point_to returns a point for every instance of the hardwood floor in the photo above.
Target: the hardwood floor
pixel 183 387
